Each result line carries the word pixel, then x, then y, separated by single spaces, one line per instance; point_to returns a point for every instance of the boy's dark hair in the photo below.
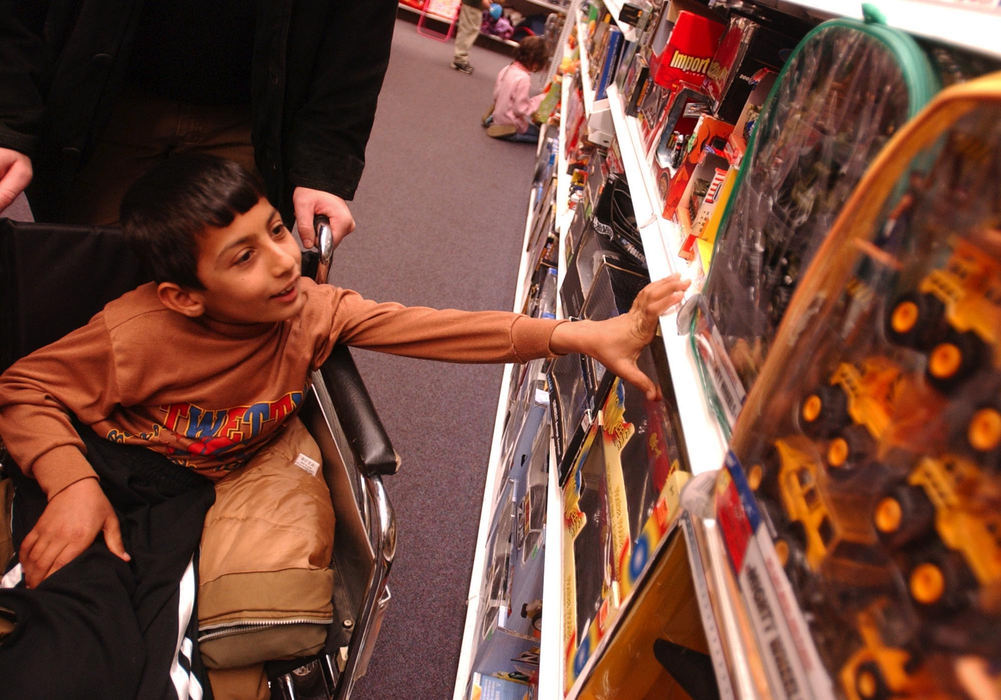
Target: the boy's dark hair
pixel 532 53
pixel 164 211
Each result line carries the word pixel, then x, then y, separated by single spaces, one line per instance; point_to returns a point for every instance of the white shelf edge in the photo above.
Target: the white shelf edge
pixel 958 24
pixel 551 673
pixel 703 437
pixel 585 68
pixel 614 7
pixel 563 211
pixel 549 5
pixel 465 663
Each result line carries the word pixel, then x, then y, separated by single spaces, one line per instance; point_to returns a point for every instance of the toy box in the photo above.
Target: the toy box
pixel 702 246
pixel 614 219
pixel 746 48
pixel 590 593
pixel 683 45
pixel 571 407
pixel 499 648
pixel 686 105
pixel 530 480
pixel 709 135
pixel 611 293
pixel 604 61
pixel 527 412
pixel 650 112
pixel 620 497
pixel 762 82
pixel 500 687
pixel 593 252
pixel 634 83
pixel 700 198
pixel 658 648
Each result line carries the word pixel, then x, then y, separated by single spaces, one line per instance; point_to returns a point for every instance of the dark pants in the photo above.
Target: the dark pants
pixel 102 627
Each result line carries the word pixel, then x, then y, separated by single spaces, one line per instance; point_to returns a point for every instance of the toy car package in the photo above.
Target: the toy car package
pixel 619 499
pixel 869 448
pixel 846 88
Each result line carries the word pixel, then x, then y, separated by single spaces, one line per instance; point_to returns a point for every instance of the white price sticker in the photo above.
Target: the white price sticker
pixel 307 464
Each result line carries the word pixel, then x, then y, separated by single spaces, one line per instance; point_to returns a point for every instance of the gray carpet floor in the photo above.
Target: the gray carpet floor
pixel 440 215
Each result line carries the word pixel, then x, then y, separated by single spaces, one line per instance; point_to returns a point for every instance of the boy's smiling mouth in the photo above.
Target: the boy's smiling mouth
pixel 287 291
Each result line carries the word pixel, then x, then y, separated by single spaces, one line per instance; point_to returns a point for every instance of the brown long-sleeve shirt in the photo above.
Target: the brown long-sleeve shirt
pixel 207 394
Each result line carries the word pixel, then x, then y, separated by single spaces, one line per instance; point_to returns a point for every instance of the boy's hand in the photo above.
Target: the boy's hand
pixel 67 526
pixel 617 342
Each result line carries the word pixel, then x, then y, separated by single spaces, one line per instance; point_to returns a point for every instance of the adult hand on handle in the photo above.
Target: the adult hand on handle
pixel 308 203
pixel 15 175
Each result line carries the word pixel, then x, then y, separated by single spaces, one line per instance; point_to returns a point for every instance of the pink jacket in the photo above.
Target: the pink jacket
pixel 512 104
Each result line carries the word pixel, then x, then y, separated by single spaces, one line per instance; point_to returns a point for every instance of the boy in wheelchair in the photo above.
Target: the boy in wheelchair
pixel 204 369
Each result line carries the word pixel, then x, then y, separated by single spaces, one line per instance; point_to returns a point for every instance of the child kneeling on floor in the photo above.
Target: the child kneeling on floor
pixel 206 367
pixel 511 118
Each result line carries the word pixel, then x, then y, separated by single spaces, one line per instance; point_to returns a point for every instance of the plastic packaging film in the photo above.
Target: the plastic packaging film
pixel 845 90
pixel 872 437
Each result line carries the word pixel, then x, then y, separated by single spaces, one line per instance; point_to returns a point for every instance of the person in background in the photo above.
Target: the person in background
pixel 470 20
pixel 514 107
pixel 94 92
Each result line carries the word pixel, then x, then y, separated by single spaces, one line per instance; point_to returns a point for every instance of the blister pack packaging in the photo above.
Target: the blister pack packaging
pixel 848 86
pixel 868 452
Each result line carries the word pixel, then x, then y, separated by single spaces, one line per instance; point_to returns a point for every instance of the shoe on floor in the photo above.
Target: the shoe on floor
pixel 499 131
pixel 462 67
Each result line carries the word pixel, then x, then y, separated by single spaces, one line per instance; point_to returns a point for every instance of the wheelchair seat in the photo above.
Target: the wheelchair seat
pixel 53 278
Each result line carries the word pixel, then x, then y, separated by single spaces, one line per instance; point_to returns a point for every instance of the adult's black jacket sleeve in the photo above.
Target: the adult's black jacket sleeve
pixel 337 54
pixel 21 62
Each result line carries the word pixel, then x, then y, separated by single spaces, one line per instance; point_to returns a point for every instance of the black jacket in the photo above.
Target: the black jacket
pixel 318 69
pixel 103 628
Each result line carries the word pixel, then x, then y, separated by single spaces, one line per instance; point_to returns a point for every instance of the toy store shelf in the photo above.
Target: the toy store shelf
pixel 706 443
pixel 585 69
pixel 564 214
pixel 614 7
pixel 965 25
pixel 490 490
pixel 599 124
pixel 548 5
pixel 551 669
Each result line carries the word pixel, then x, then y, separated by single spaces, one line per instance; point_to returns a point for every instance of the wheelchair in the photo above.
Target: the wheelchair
pixel 54 278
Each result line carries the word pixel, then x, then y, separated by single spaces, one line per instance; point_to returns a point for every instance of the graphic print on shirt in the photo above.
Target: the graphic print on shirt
pixel 220 434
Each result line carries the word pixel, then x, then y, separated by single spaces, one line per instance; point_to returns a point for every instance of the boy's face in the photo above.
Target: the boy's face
pixel 250 269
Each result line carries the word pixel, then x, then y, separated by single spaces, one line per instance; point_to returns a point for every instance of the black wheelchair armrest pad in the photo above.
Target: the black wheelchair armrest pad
pixel 361 424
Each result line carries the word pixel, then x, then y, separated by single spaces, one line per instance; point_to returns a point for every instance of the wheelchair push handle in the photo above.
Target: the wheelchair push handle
pixel 325 244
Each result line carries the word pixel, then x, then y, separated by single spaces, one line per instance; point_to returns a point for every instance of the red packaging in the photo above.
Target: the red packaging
pixel 710 133
pixel 688 51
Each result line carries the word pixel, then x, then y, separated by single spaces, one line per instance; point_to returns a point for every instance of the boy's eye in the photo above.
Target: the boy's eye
pixel 244 256
pixel 279 230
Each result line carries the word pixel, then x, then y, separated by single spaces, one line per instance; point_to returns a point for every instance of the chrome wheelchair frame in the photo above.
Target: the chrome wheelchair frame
pixel 338 412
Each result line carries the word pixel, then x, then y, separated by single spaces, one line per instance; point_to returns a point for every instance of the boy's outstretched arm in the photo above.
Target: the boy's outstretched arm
pixel 617 342
pixel 68 525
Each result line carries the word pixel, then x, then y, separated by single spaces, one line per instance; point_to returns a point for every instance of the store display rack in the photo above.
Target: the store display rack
pixel 728 624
